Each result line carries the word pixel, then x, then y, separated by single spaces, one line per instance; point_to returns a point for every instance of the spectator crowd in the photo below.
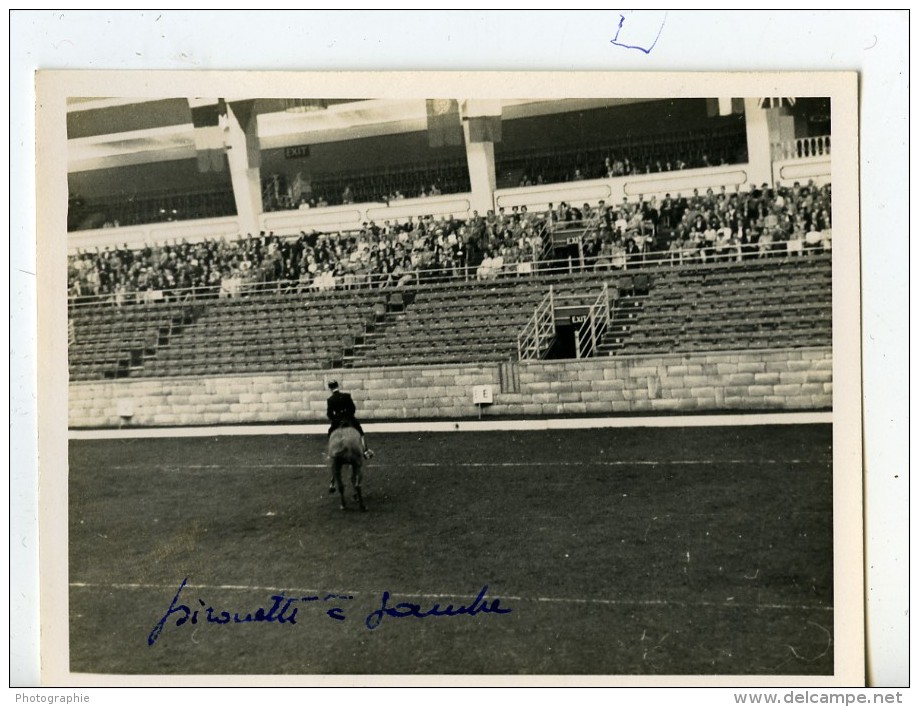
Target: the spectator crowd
pixel 715 224
pixel 665 153
pixel 377 255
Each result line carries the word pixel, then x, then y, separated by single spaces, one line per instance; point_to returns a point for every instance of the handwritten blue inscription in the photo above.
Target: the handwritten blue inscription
pixel 403 609
pixel 640 30
pixel 283 611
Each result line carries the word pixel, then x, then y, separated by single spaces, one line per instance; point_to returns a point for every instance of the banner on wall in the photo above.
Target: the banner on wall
pixel 444 126
pixel 724 106
pixel 208 116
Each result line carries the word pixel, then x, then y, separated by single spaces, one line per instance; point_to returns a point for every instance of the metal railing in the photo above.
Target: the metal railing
pixel 548 244
pixel 798 148
pixel 537 335
pixel 578 228
pixel 588 335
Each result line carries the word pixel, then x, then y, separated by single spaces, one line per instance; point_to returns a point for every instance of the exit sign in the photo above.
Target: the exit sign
pixel 296 152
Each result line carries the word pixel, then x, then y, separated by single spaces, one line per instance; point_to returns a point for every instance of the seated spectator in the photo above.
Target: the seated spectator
pixel 642 242
pixel 403 274
pixel 813 240
pixel 693 244
pixel 676 250
pixel 607 170
pixel 724 243
pixel 604 257
pixel 230 286
pixel 765 243
pixel 485 271
pixel 709 236
pixel 795 243
pixel 497 262
pixel 617 256
pixel 524 266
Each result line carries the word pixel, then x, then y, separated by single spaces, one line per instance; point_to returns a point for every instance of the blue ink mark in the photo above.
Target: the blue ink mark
pixel 278 613
pixel 336 613
pixel 282 611
pixel 478 606
pixel 647 50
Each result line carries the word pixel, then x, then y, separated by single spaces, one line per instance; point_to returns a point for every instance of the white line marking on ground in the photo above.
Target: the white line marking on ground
pixel 291 591
pixel 487 465
pixel 783 418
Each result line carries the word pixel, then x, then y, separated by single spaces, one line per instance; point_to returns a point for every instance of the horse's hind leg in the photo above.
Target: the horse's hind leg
pixel 356 478
pixel 339 484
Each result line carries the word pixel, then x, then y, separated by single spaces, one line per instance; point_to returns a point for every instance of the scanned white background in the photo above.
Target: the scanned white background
pixel 873 43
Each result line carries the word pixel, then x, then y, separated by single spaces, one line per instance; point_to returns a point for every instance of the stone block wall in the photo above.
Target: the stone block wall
pixel 791 379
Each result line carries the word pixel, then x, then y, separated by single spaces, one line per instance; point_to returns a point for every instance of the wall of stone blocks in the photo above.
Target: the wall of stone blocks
pixel 792 379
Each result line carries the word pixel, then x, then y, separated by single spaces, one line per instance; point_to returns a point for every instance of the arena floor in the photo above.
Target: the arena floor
pixel 638 551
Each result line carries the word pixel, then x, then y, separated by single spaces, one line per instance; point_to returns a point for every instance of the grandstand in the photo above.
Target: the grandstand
pixel 532 233
pixel 769 303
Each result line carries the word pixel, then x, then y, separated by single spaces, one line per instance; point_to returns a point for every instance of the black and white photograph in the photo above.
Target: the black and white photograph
pixel 465 375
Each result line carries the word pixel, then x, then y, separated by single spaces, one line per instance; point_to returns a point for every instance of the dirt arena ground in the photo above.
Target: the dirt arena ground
pixel 638 551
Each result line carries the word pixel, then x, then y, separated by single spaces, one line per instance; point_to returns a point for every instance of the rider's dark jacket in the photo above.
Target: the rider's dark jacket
pixel 340 407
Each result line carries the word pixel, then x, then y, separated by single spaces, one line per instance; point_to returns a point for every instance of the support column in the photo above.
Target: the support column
pixel 480 157
pixel 247 183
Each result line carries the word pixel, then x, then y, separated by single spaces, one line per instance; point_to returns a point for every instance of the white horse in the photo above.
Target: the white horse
pixel 345 449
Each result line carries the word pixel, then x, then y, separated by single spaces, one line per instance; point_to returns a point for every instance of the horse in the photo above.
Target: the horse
pixel 345 449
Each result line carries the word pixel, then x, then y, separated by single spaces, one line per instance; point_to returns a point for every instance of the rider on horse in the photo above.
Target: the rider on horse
pixel 341 412
pixel 340 409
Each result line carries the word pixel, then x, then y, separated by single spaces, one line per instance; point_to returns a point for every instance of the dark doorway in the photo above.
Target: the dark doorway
pixel 563 346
